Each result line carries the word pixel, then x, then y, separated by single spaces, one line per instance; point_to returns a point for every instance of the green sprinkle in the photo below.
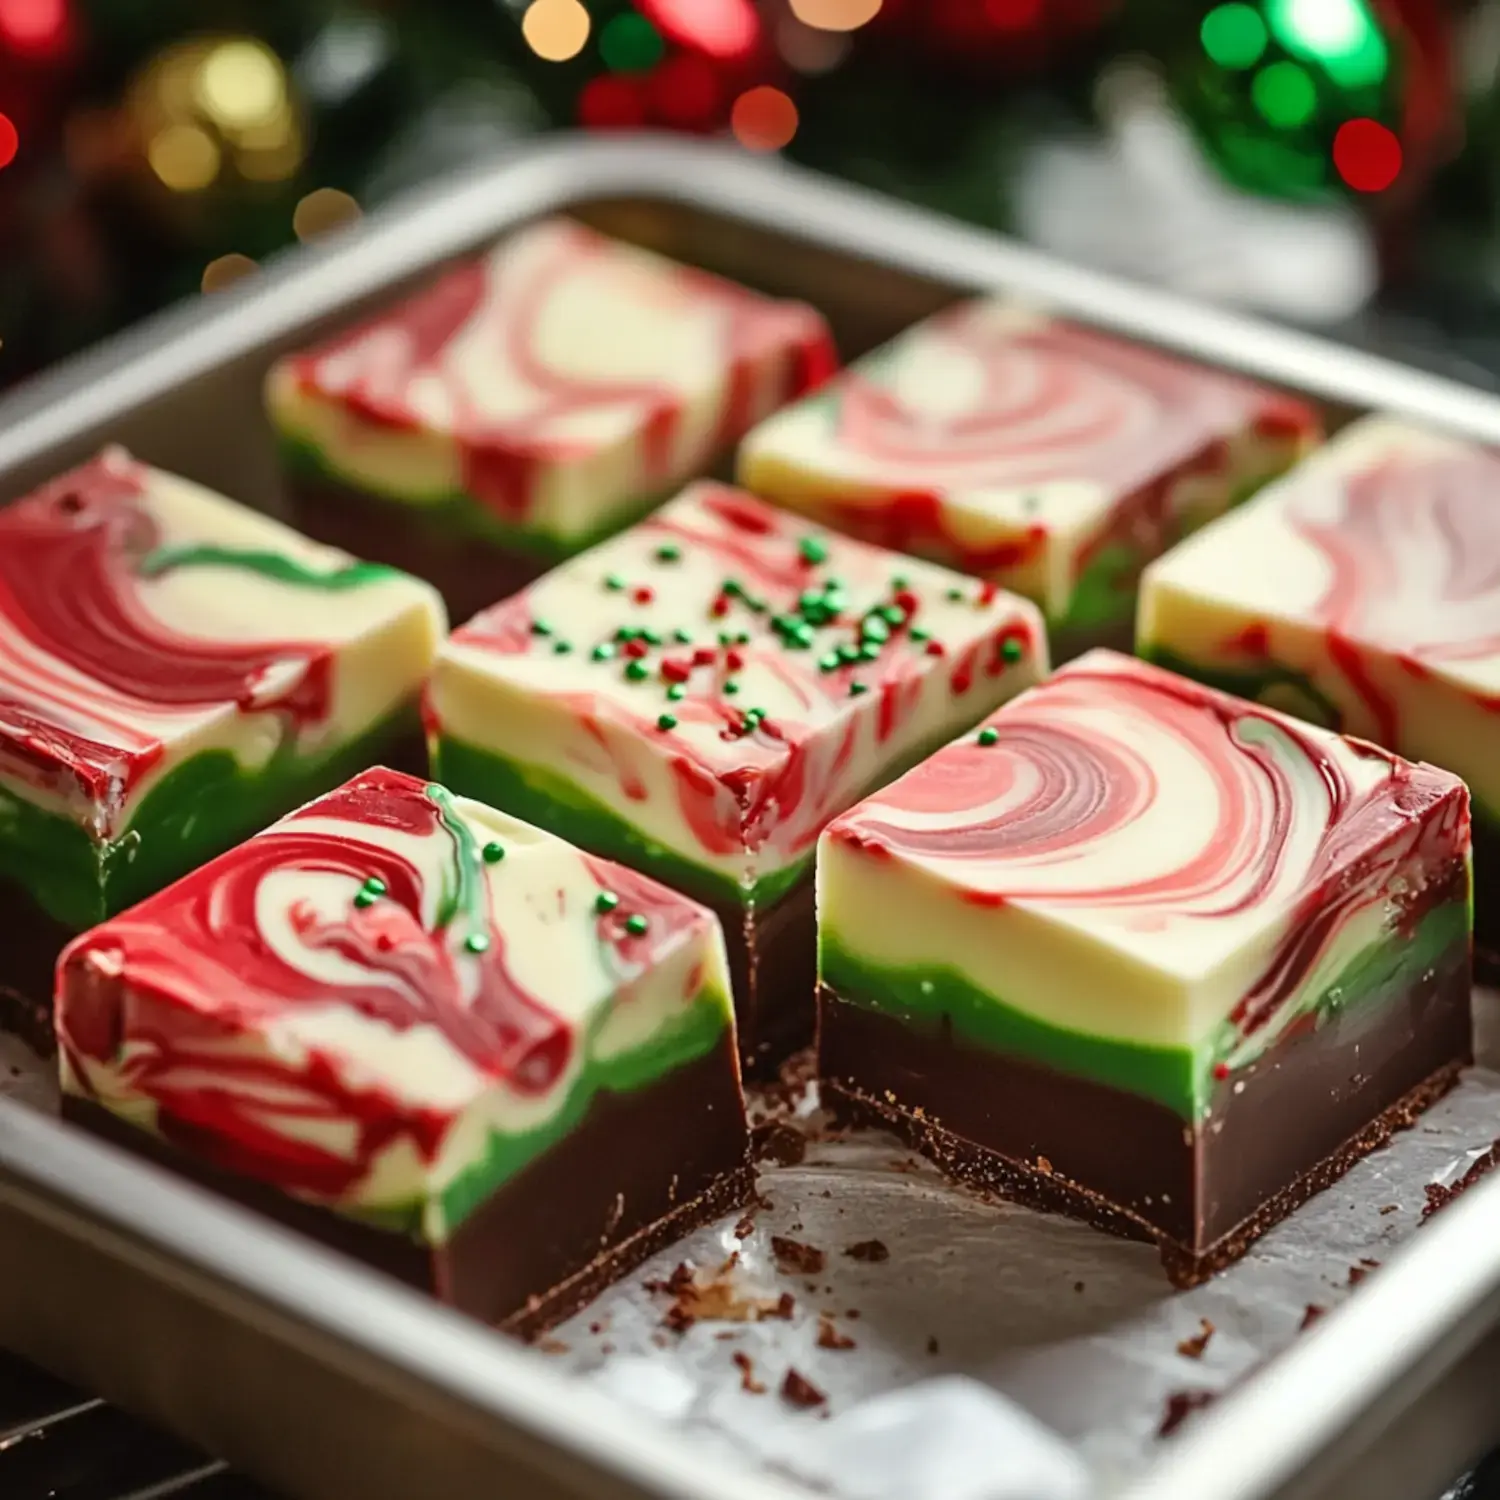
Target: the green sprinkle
pixel 869 651
pixel 848 651
pixel 892 614
pixel 856 688
pixel 636 925
pixel 742 638
pixel 613 582
pixel 603 651
pixel 676 693
pixel 755 713
pixel 987 736
pixel 375 886
pixel 636 671
pixel 829 662
pixel 605 902
pixel 561 648
pixel 668 552
pixel 540 627
pixel 731 588
pixel 955 596
pixel 899 581
pixel 813 549
pixel 873 628
pixel 682 637
pixel 732 686
pixel 919 633
pixel 726 638
pixel 1010 648
pixel 493 853
pixel 650 636
pixel 626 633
pixel 756 606
pixel 477 942
pixel 810 600
pixel 666 721
pixel 363 899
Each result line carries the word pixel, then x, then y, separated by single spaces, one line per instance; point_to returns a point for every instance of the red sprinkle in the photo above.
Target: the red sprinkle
pixel 644 594
pixel 634 649
pixel 1221 1070
pixel 703 656
pixel 674 669
pixel 734 660
pixel 987 591
pixel 719 608
pixel 935 648
pixel 908 601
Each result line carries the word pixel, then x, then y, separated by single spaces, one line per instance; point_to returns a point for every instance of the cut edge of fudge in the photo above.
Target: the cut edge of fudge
pixel 460 1173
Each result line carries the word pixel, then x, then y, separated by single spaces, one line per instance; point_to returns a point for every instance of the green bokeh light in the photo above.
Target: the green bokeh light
pixel 1340 35
pixel 1285 95
pixel 630 44
pixel 1234 36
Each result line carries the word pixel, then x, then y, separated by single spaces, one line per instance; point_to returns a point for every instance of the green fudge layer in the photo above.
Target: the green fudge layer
pixel 1181 1078
pixel 196 811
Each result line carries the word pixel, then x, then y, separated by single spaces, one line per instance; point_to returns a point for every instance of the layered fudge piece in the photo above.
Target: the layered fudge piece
pixel 1149 955
pixel 529 403
pixel 1362 593
pixel 1049 458
pixel 699 696
pixel 175 672
pixel 428 1034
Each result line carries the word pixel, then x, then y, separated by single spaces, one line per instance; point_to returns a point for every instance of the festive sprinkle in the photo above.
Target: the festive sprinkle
pixel 731 687
pixel 682 637
pixel 1010 648
pixel 756 606
pixel 987 737
pixel 603 651
pixel 540 627
pixel 869 651
pixel 742 638
pixel 644 594
pixel 636 925
pixel 562 648
pixel 726 638
pixel 892 614
pixel 650 636
pixel 636 671
pixel 635 649
pixel 899 581
pixel 605 901
pixel 719 608
pixel 848 651
pixel 813 550
pixel 731 588
pixel 676 670
pixel 919 633
pixel 734 660
pixel 873 628
pixel 375 886
pixel 668 552
pixel 626 633
pixel 676 693
pixel 703 656
pixel 493 853
pixel 613 582
pixel 666 721
pixel 829 662
pixel 363 899
pixel 857 687
pixel 477 942
pixel 955 596
pixel 935 648
pixel 987 591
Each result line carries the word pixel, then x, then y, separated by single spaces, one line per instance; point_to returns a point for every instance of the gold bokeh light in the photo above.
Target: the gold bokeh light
pixel 241 84
pixel 322 211
pixel 835 15
pixel 555 30
pixel 227 270
pixel 184 157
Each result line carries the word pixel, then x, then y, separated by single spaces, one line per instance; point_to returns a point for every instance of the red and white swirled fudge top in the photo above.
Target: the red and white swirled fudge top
pixel 1186 832
pixel 989 428
pixel 144 619
pixel 353 1003
pixel 555 378
pixel 727 677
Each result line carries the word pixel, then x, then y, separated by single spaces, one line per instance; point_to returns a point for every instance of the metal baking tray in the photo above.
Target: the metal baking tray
pixel 326 1380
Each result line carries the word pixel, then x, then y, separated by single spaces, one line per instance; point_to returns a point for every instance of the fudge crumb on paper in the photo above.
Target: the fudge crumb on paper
pixel 870 1251
pixel 830 1338
pixel 748 1382
pixel 1192 1348
pixel 800 1391
pixel 795 1258
pixel 1180 1406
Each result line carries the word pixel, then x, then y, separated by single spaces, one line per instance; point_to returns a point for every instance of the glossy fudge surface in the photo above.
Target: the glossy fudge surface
pixel 1048 457
pixel 1173 904
pixel 175 672
pixel 701 694
pixel 536 398
pixel 397 1004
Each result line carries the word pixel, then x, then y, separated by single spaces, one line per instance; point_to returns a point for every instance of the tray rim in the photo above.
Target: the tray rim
pixel 1320 1400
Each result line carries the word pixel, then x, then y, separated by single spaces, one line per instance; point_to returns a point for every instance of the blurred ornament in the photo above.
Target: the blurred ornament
pixel 1303 98
pixel 1145 204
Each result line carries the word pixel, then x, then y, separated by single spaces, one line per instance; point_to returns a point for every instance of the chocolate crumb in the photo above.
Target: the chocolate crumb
pixel 1077 1286
pixel 1439 1197
pixel 851 1312
pixel 678 1318
pixel 1192 1348
pixel 800 1391
pixel 1180 1406
pixel 1358 1273
pixel 552 1346
pixel 778 1142
pixel 745 1228
pixel 716 1300
pixel 729 1264
pixel 596 1329
pixel 725 1334
pixel 1310 1315
pixel 1388 1208
pixel 748 1382
pixel 785 1305
pixel 932 1343
pixel 830 1338
pixel 870 1251
pixel 1044 1166
pixel 795 1258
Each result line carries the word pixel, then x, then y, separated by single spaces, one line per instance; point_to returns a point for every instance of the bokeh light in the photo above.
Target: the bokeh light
pixel 1368 155
pixel 1013 15
pixel 763 119
pixel 241 85
pixel 184 157
pixel 1234 36
pixel 35 27
pixel 1285 95
pixel 322 211
pixel 686 93
pixel 607 103
pixel 724 29
pixel 629 43
pixel 227 270
pixel 555 30
pixel 1341 35
pixel 835 15
pixel 10 141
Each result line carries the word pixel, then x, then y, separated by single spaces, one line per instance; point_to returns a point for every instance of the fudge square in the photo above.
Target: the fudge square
pixel 175 672
pixel 1147 954
pixel 530 402
pixel 1047 457
pixel 698 696
pixel 428 1034
pixel 1362 593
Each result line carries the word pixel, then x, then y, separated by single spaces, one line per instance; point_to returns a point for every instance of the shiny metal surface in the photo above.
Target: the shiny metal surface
pixel 326 1380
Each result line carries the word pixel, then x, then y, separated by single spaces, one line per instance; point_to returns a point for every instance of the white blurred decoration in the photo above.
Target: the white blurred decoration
pixel 1145 203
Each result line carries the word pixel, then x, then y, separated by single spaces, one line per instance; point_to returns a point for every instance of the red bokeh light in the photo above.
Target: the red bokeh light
pixel 611 103
pixel 724 29
pixel 686 93
pixel 10 141
pixel 34 27
pixel 1367 155
pixel 764 119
